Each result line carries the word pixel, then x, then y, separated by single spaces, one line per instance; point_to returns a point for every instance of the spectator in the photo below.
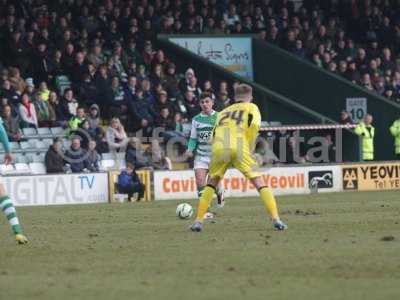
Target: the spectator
pixel 43 91
pixel 54 160
pixel 222 101
pixel 101 141
pixel 11 124
pixel 94 117
pixel 191 105
pixel 103 88
pixel 27 113
pixel 345 118
pixel 118 103
pixel 17 82
pixel 208 89
pixel 116 136
pixel 135 154
pixel 70 102
pixel 130 90
pixel 58 113
pixel 162 102
pixel 8 92
pixel 87 89
pixel 172 82
pixel 129 182
pixel 76 120
pixel 164 120
pixel 76 156
pixel 143 113
pixel 42 109
pixel 159 160
pixel 84 133
pixel 93 157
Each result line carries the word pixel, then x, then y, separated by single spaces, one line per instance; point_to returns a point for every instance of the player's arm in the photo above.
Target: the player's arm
pixel 254 122
pixel 6 144
pixel 192 144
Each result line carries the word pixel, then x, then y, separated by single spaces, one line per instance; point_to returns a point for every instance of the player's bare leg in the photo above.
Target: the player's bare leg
pixel 268 198
pixel 8 208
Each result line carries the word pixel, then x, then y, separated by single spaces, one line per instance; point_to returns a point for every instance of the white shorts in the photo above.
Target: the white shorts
pixel 201 162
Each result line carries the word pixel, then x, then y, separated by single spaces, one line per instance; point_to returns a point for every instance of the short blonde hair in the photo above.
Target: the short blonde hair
pixel 243 92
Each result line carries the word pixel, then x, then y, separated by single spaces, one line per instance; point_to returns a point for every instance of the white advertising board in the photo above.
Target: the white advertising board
pixel 283 181
pixel 58 189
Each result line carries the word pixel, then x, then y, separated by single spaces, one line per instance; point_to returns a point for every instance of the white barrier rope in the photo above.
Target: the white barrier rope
pixel 308 127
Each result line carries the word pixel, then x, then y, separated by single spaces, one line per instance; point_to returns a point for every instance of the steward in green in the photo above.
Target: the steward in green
pixel 395 131
pixel 367 132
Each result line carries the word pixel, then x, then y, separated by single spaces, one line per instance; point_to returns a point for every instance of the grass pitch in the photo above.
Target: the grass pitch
pixel 338 246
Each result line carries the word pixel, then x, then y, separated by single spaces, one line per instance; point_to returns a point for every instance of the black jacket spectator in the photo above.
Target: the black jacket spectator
pixel 93 158
pixel 54 161
pixel 135 155
pixel 142 108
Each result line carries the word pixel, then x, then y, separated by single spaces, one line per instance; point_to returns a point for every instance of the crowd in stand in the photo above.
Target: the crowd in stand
pixel 106 50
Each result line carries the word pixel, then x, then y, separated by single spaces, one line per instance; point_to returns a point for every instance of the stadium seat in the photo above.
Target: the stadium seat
pixel 48 142
pixel 121 164
pixel 26 146
pixel 29 132
pixel 37 168
pixel 35 157
pixel 15 147
pixel 21 158
pixel 107 164
pixel 44 132
pixel 108 156
pixel 40 145
pixel 6 169
pixel 57 131
pixel 22 168
pixel 121 155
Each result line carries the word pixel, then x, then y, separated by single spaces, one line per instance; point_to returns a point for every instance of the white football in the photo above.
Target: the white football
pixel 184 211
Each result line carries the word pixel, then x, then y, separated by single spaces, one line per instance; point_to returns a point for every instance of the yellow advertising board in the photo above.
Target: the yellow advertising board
pixel 371 176
pixel 145 178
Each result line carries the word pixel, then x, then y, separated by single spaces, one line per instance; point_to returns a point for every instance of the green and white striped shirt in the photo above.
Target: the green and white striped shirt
pixel 200 134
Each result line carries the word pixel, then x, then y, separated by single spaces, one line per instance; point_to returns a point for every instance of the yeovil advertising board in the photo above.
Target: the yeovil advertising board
pixel 283 181
pixel 80 188
pixel 369 177
pixel 232 53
